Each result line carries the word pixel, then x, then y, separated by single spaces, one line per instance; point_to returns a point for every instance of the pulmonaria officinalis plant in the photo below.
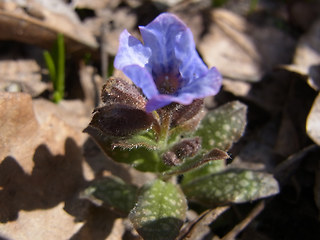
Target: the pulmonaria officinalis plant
pixel 159 124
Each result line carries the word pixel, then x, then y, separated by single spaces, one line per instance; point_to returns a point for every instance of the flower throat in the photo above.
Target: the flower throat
pixel 168 84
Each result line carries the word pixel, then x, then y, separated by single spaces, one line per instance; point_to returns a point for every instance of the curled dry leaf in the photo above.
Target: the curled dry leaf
pixel 242 51
pixel 41 163
pixel 198 228
pixel 292 132
pixel 307 56
pixel 38 22
pixel 109 23
pixel 313 123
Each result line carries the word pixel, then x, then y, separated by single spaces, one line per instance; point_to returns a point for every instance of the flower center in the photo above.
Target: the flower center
pixel 167 83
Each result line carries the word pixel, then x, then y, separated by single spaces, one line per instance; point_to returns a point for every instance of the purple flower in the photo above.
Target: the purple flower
pixel 166 66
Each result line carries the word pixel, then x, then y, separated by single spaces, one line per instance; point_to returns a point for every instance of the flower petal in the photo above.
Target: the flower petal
pixel 191 66
pixel 159 101
pixel 205 86
pixel 141 78
pixel 131 51
pixel 160 36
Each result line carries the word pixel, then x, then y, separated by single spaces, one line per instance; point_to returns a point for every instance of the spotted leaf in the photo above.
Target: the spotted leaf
pixel 231 186
pixel 137 154
pixel 160 211
pixel 223 126
pixel 113 192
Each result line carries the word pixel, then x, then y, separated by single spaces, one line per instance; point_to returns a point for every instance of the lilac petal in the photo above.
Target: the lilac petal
pixel 205 86
pixel 191 66
pixel 141 78
pixel 159 101
pixel 131 51
pixel 160 36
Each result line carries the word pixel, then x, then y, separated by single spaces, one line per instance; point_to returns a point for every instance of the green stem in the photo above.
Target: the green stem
pixel 253 5
pixel 51 67
pixel 165 127
pixel 59 91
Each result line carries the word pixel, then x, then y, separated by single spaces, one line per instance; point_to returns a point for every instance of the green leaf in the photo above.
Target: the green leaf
pixel 55 61
pixel 60 64
pixel 140 158
pixel 207 169
pixel 160 211
pixel 50 65
pixel 219 129
pixel 113 192
pixel 144 139
pixel 231 186
pixel 223 126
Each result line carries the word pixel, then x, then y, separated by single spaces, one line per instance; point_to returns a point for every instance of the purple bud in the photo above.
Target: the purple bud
pixel 119 91
pixel 171 159
pixel 120 120
pixel 182 150
pixel 187 147
pixel 184 113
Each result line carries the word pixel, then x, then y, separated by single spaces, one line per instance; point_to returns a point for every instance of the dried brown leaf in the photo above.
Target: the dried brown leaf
pixel 242 51
pixel 21 75
pixel 41 163
pixel 41 23
pixel 95 4
pixel 307 56
pixel 199 227
pixel 50 224
pixel 313 121
pixel 243 224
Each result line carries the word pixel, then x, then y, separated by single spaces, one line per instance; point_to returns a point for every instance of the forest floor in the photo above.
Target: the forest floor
pixel 269 55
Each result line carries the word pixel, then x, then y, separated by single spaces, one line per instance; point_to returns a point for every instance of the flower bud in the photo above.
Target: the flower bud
pixel 118 91
pixel 120 120
pixel 182 150
pixel 171 159
pixel 187 147
pixel 184 113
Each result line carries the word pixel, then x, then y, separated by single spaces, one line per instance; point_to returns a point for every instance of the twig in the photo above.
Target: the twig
pixel 204 219
pixel 244 223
